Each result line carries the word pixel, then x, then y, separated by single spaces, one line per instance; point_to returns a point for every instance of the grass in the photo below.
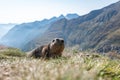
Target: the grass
pixel 76 66
pixel 10 52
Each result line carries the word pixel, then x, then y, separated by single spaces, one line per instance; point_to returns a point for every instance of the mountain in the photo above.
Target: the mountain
pixel 4 28
pixel 21 34
pixel 99 30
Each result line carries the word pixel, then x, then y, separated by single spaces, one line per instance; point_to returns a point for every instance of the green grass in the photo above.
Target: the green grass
pixel 10 53
pixel 74 66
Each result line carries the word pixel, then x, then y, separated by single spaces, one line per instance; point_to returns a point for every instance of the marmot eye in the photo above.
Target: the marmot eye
pixel 53 40
pixel 62 41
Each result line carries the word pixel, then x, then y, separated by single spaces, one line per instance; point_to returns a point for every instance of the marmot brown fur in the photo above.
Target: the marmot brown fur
pixel 52 50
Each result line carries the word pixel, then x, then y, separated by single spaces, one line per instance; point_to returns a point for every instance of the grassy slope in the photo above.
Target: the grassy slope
pixel 75 67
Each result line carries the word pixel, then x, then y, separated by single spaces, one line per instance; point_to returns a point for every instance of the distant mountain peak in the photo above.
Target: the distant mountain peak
pixel 61 16
pixel 71 16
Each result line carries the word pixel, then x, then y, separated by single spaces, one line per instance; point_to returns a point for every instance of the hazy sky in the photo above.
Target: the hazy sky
pixel 18 11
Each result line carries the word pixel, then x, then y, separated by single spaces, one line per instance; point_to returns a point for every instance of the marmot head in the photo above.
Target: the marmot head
pixel 57 45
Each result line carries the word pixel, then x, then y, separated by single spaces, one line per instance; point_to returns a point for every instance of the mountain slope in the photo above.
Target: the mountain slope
pixel 4 28
pixel 99 30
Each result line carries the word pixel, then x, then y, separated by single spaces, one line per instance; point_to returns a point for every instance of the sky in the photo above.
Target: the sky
pixel 19 11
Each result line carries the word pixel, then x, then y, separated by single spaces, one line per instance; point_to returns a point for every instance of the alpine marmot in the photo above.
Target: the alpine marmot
pixel 52 50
